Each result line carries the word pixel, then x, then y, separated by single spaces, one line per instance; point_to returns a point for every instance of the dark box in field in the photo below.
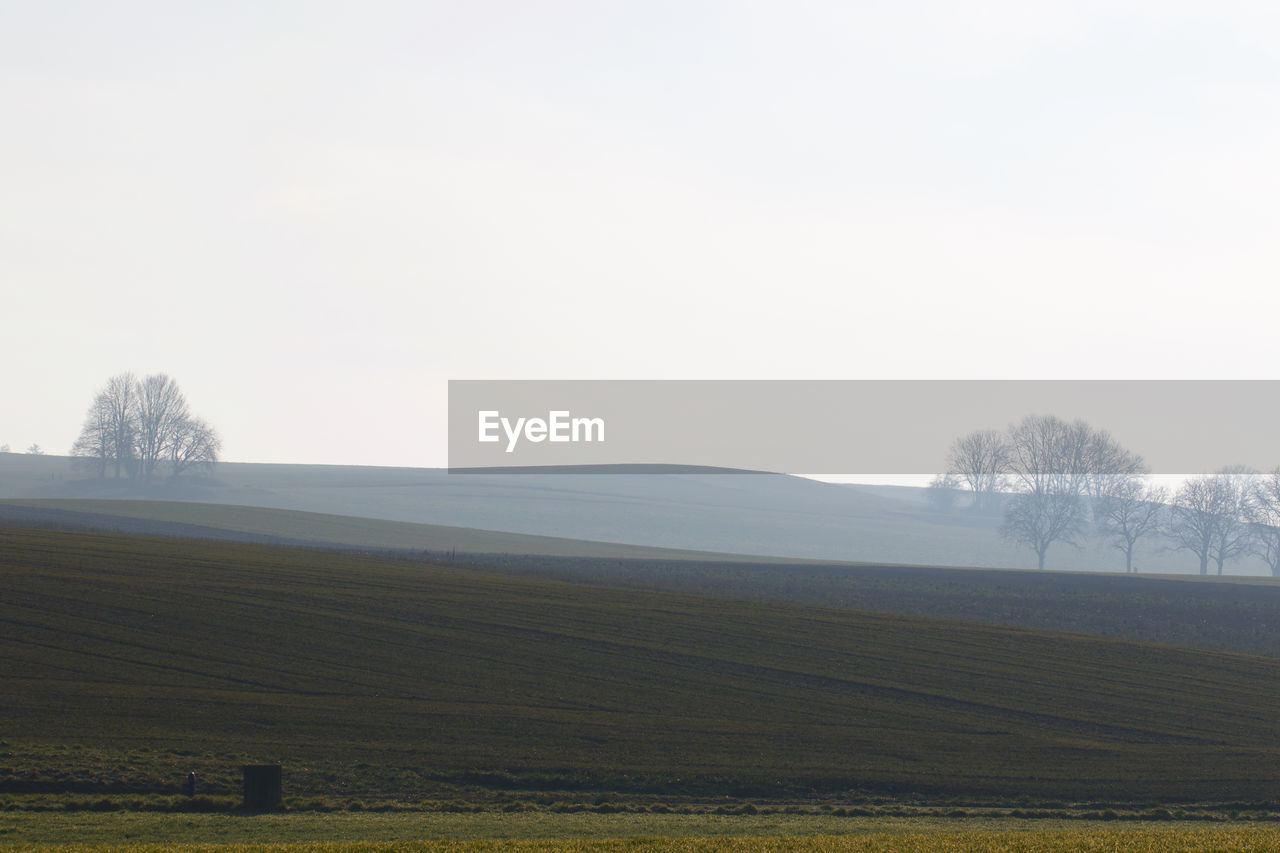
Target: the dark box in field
pixel 263 788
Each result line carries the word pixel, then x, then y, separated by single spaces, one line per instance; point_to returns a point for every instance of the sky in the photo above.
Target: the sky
pixel 313 215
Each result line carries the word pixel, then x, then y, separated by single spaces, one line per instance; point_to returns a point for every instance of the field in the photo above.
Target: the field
pixel 505 831
pixel 130 661
pixel 1238 614
pixel 193 520
pixel 1231 614
pixel 757 514
pixel 421 705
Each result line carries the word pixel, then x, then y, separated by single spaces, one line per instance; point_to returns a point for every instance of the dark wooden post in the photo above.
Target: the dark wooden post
pixel 263 789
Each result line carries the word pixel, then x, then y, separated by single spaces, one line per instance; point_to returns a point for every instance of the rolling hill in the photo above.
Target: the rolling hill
pixel 1239 615
pixel 231 522
pixel 129 659
pixel 742 513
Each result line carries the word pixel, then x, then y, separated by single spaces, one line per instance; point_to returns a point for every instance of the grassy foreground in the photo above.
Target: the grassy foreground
pixel 1232 840
pixel 606 833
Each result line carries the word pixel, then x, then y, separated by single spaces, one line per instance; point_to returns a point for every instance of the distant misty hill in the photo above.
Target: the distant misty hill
pixel 740 513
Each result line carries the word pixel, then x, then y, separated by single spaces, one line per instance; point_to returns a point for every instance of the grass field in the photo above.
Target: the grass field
pixel 1240 614
pixel 1237 614
pixel 523 831
pixel 129 661
pixel 191 519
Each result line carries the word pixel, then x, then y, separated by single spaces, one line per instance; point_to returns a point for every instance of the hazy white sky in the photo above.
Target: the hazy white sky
pixel 313 215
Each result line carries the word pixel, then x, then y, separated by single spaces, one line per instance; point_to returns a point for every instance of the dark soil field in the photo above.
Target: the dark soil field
pixel 1232 614
pixel 1236 614
pixel 128 661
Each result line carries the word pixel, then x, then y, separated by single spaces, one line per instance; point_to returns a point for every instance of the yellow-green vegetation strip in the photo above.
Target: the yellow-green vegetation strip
pixel 1198 840
pixel 541 831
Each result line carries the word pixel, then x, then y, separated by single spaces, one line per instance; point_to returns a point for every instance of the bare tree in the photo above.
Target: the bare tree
pixel 1263 513
pixel 1048 460
pixel 194 445
pixel 1109 467
pixel 35 450
pixel 1194 519
pixel 980 460
pixel 1038 521
pixel 161 411
pixel 140 425
pixel 96 444
pixel 1128 511
pixel 4 448
pixel 107 437
pixel 122 396
pixel 1233 538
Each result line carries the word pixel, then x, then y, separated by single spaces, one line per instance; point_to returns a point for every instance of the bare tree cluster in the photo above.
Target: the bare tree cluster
pixel 1066 475
pixel 1263 516
pixel 34 450
pixel 1228 514
pixel 979 462
pixel 1133 510
pixel 136 428
pixel 1060 481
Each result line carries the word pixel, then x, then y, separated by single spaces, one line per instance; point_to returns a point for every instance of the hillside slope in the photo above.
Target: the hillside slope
pixel 121 651
pixel 758 514
pixel 1239 615
pixel 1236 614
pixel 267 526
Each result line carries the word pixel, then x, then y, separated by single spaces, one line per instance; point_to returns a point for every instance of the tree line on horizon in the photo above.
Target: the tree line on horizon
pixel 136 428
pixel 34 450
pixel 1059 481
